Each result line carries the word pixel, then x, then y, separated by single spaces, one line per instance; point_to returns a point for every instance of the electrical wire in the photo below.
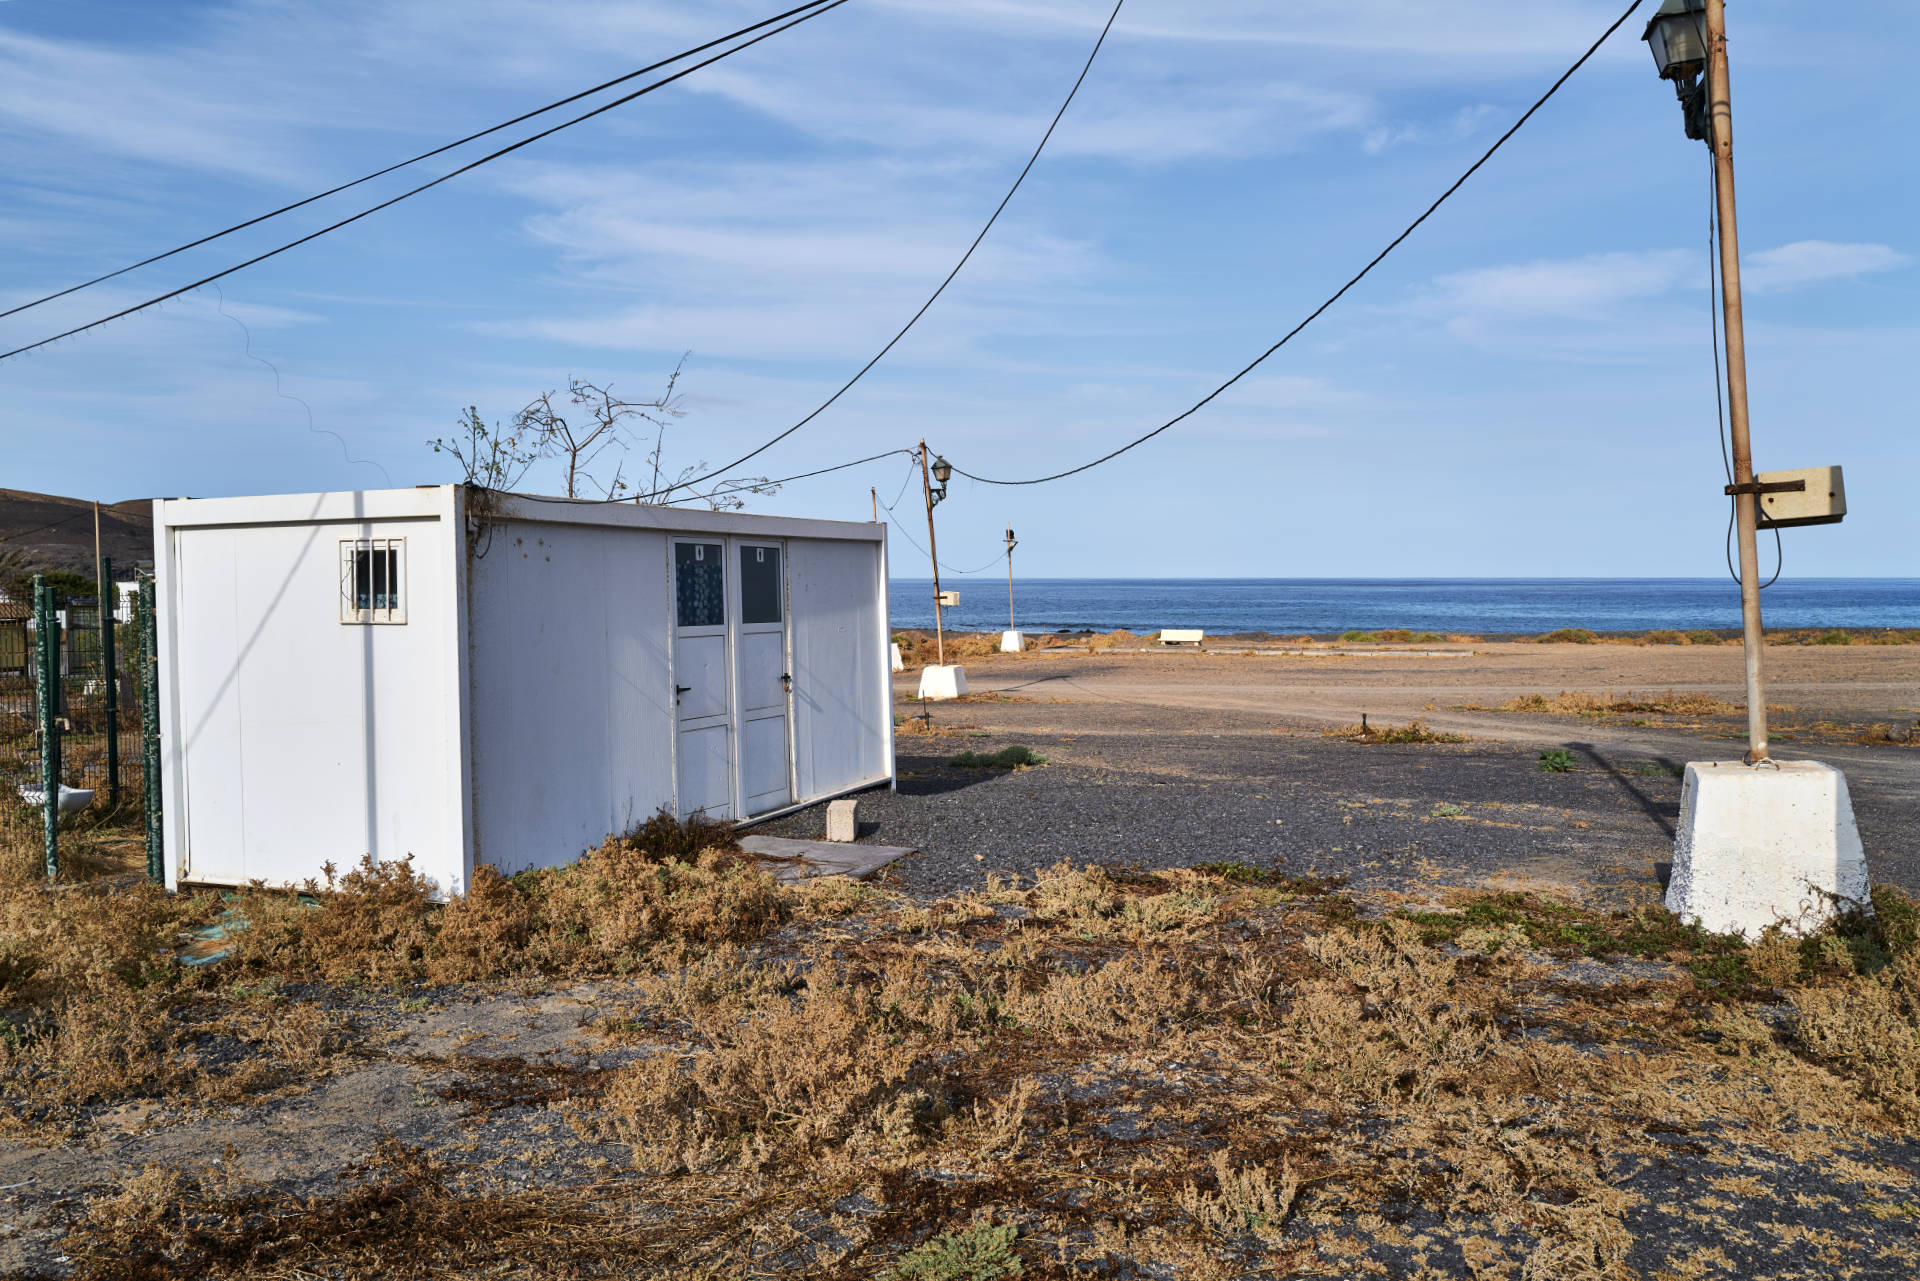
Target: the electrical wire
pixel 1342 292
pixel 746 486
pixel 466 168
pixel 414 160
pixel 900 528
pixel 1005 200
pixel 1719 401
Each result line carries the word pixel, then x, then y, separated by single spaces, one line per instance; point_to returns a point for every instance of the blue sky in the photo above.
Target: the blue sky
pixel 1524 389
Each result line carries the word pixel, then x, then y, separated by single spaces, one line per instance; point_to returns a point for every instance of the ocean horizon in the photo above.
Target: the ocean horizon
pixel 1481 606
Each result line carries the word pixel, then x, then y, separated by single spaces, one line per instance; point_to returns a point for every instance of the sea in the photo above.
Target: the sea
pixel 1479 606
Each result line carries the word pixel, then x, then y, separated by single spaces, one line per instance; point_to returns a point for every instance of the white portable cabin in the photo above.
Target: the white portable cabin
pixel 468 677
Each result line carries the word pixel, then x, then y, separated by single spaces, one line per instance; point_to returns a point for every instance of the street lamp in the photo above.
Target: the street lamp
pixel 1011 640
pixel 942 470
pixel 1759 843
pixel 1677 36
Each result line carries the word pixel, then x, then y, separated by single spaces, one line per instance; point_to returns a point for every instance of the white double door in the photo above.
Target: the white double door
pixel 732 687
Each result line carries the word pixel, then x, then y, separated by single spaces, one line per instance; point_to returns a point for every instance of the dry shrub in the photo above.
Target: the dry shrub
pixel 628 904
pixel 917 649
pixel 1393 1021
pixel 1586 704
pixel 484 933
pixel 1411 732
pixel 1246 1200
pixel 399 1214
pixel 787 1072
pixel 1125 1000
pixel 1092 902
pixel 1869 1027
pixel 88 986
pixel 375 928
pixel 617 910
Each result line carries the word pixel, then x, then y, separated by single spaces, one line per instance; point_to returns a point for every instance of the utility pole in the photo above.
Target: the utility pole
pixel 933 553
pixel 1011 544
pixel 875 495
pixel 100 587
pixel 1744 488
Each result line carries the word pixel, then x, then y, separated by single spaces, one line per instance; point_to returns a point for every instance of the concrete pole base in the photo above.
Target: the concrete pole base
pixel 941 683
pixel 899 664
pixel 1769 846
pixel 1012 642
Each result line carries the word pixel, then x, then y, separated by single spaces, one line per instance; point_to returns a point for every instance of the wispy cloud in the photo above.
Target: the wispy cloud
pixel 1813 262
pixel 1565 288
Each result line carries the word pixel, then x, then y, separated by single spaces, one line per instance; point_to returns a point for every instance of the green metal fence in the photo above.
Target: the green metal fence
pixel 79 768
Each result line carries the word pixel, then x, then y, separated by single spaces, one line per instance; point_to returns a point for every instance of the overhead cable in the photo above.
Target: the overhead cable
pixel 466 168
pixel 1342 291
pixel 891 343
pixel 747 486
pixel 414 160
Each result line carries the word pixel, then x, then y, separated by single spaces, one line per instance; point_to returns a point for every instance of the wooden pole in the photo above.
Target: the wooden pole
pixel 1746 502
pixel 99 588
pixel 1010 623
pixel 933 553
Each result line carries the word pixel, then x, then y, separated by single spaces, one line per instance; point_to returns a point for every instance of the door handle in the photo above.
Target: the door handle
pixel 678 690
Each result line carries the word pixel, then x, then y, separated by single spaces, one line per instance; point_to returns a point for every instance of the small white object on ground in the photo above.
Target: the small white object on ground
pixel 939 683
pixel 1181 635
pixel 1012 642
pixel 899 664
pixel 841 826
pixel 1759 847
pixel 804 860
pixel 71 798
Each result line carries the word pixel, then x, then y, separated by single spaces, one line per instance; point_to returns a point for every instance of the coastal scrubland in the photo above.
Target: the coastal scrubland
pixel 1084 1071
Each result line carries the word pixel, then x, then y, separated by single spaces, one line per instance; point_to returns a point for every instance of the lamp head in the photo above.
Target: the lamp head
pixel 1677 37
pixel 942 470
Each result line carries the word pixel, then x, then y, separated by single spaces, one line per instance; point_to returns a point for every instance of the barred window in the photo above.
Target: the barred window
pixel 373 580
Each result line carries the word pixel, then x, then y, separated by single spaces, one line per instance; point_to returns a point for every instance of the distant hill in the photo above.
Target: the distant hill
pixel 57 533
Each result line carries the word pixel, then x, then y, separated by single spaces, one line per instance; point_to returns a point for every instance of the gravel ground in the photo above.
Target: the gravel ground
pixel 1305 805
pixel 1169 761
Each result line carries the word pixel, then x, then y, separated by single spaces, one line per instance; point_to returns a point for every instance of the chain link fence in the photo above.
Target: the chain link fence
pixel 72 700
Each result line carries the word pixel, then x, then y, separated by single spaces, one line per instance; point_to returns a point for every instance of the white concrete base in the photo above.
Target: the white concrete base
pixel 1760 847
pixel 899 665
pixel 938 683
pixel 1012 642
pixel 841 826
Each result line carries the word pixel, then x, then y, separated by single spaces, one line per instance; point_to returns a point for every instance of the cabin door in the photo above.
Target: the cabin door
pixel 762 677
pixel 702 702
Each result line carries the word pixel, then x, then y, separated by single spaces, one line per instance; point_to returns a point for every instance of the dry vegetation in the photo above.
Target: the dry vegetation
pixel 1578 703
pixel 1083 1073
pixel 1411 732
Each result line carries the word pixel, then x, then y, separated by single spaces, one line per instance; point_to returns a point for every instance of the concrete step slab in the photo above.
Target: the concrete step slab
pixel 804 860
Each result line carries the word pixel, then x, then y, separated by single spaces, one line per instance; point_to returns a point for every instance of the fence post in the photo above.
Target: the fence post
pixel 110 668
pixel 47 714
pixel 150 730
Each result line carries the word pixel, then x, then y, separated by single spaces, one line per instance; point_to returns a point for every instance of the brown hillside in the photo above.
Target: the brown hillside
pixel 57 533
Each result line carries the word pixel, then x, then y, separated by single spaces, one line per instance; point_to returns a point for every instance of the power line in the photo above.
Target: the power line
pixel 848 385
pixel 912 542
pixel 425 155
pixel 385 204
pixel 1341 293
pixel 746 486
